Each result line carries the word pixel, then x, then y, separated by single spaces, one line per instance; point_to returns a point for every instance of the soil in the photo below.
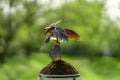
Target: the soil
pixel 59 67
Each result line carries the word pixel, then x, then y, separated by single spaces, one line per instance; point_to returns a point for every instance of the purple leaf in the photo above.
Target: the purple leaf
pixel 63 36
pixel 45 42
pixel 61 30
pixel 55 52
pixel 62 33
pixel 56 33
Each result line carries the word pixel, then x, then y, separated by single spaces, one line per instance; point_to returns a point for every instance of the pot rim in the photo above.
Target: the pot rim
pixel 59 76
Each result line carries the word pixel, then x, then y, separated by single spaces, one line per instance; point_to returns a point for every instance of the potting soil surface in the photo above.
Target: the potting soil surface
pixel 59 67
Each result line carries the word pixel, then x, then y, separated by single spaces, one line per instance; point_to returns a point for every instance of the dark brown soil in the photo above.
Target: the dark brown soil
pixel 59 67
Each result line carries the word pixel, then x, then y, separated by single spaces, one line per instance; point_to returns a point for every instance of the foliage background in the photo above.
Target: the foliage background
pixel 96 56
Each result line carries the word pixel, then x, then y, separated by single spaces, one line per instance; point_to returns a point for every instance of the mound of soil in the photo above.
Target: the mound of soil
pixel 59 67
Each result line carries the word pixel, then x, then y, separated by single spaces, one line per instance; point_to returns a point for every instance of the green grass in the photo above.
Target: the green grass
pixel 22 68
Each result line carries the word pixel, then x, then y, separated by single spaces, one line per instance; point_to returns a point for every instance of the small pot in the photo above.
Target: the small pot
pixel 59 70
pixel 59 77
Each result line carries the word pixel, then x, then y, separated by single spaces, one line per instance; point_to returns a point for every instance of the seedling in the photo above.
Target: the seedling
pixel 58 35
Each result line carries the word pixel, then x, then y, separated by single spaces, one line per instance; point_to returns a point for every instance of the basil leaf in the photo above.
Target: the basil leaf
pixel 45 42
pixel 55 52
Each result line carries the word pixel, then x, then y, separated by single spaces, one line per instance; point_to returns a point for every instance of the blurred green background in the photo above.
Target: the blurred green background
pixel 96 56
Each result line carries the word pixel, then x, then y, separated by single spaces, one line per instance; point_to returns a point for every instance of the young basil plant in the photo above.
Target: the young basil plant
pixel 58 35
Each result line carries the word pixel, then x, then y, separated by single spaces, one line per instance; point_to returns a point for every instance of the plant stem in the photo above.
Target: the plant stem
pixel 60 56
